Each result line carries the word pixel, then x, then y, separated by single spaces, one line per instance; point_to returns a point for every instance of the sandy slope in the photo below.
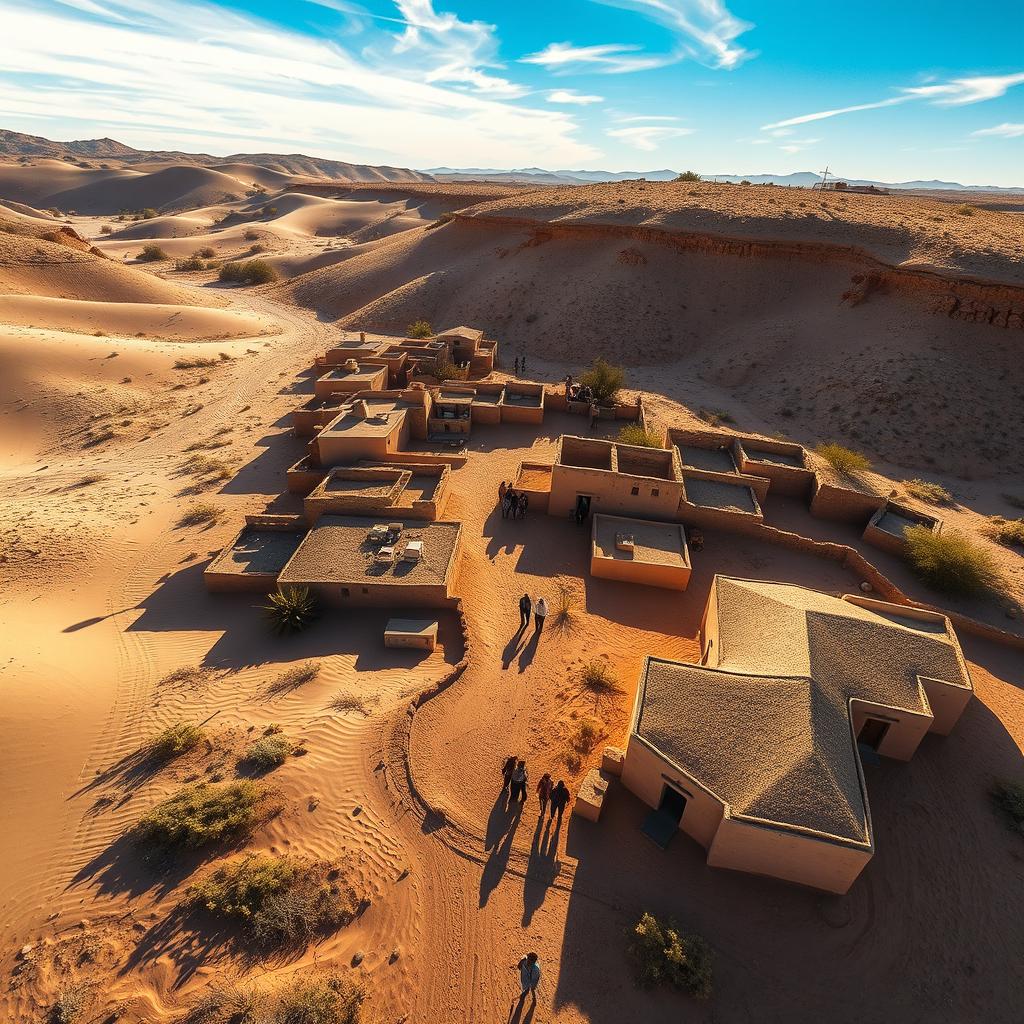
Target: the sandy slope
pixel 175 323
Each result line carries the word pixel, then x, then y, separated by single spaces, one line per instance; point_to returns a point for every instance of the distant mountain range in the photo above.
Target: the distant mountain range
pixel 802 179
pixel 18 146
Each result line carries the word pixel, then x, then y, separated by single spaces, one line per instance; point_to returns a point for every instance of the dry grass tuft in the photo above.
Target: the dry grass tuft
pixel 293 678
pixel 175 740
pixel 843 460
pixel 345 702
pixel 925 490
pixel 201 814
pixel 950 562
pixel 566 605
pixel 634 434
pixel 195 363
pixel 199 514
pixel 1006 531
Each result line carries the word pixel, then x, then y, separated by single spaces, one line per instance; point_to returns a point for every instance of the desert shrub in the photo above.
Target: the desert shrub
pixel 633 433
pixel 266 753
pixel 345 702
pixel 445 369
pixel 258 247
pixel 291 609
pixel 269 211
pixel 604 379
pixel 689 176
pixel 950 561
pixel 251 235
pixel 228 1002
pixel 663 955
pixel 566 604
pixel 744 182
pixel 71 1004
pixel 419 329
pixel 966 210
pixel 175 740
pixel 715 417
pixel 107 229
pixel 294 677
pixel 194 363
pixel 207 252
pixel 443 219
pixel 925 490
pixel 248 272
pixel 1007 531
pixel 201 814
pixel 192 263
pixel 1009 798
pixel 585 736
pixel 152 253
pixel 599 678
pixel 335 999
pixel 843 460
pixel 198 514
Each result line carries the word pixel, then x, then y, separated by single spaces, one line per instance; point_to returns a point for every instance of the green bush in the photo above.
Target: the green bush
pixel 248 272
pixel 266 753
pixel 279 901
pixel 843 460
pixel 152 253
pixel 147 214
pixel 419 329
pixel 175 740
pixel 1009 798
pixel 445 369
pixel 949 561
pixel 604 379
pixel 663 955
pixel 1007 531
pixel 689 176
pixel 201 814
pixel 291 610
pixel 925 490
pixel 634 434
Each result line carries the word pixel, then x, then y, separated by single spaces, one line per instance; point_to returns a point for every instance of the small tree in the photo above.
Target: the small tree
pixel 444 370
pixel 419 329
pixel 689 176
pixel 662 955
pixel 604 379
pixel 148 213
pixel 152 253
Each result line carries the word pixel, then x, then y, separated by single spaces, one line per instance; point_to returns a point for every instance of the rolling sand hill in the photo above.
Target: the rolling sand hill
pixel 847 317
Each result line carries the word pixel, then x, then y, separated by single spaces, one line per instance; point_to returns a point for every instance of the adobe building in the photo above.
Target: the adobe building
pixel 350 377
pixel 349 560
pixel 469 347
pixel 591 475
pixel 373 426
pixel 253 560
pixel 887 528
pixel 639 551
pixel 756 751
pixel 410 489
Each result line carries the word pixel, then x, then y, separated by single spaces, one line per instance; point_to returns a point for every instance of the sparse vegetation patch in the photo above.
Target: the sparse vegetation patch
pixel 950 562
pixel 1007 531
pixel 604 379
pixel 266 753
pixel 925 490
pixel 633 433
pixel 152 253
pixel 291 610
pixel 175 740
pixel 197 515
pixel 419 329
pixel 201 814
pixel 843 460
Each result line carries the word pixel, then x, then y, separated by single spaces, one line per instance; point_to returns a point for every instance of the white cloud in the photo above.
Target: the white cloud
pixel 186 73
pixel 647 136
pixel 956 92
pixel 703 30
pixel 645 118
pixel 572 97
pixel 611 58
pixel 1004 131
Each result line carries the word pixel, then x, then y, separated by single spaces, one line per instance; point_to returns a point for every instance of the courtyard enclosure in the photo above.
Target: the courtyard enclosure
pixel 350 377
pixel 639 551
pixel 887 527
pixel 253 560
pixel 616 479
pixel 755 751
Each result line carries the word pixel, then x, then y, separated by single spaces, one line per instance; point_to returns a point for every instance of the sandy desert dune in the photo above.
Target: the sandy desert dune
pixel 131 446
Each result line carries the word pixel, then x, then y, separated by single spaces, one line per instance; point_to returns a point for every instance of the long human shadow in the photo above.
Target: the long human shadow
pixel 513 647
pixel 529 652
pixel 497 862
pixel 542 867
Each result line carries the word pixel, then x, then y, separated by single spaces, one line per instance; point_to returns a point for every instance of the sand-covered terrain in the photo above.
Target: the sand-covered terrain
pixel 144 412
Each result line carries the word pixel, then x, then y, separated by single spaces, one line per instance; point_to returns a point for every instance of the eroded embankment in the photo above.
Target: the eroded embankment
pixel 957 297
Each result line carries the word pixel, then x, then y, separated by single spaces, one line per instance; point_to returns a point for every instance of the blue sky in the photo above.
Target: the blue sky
pixel 876 90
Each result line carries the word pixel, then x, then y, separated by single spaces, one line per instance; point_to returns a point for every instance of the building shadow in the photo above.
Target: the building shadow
pixel 266 472
pixel 945 864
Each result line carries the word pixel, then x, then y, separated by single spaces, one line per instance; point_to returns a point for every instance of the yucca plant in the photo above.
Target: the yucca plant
pixel 291 609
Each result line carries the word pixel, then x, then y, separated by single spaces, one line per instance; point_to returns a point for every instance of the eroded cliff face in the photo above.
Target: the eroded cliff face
pixel 959 298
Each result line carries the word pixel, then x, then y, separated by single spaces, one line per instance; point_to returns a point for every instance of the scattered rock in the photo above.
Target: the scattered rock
pixel 26 951
pixel 866 587
pixel 357 958
pixel 395 954
pixel 403 875
pixel 357 810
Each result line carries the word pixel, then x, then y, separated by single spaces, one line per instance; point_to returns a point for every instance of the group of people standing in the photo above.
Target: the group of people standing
pixel 549 793
pixel 520 365
pixel 514 504
pixel 538 608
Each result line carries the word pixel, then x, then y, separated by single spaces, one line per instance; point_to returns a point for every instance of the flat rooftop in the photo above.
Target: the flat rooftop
pixel 385 416
pixel 258 552
pixel 717 460
pixel 367 373
pixel 339 550
pixel 715 494
pixel 653 543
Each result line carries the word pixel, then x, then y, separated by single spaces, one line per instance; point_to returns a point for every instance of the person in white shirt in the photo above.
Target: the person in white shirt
pixel 540 613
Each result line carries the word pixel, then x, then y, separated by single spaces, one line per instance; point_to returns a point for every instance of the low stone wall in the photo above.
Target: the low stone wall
pixel 845 504
pixel 758 484
pixel 304 477
pixel 634 413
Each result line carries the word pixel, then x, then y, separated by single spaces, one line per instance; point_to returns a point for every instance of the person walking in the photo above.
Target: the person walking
pixel 529 976
pixel 559 799
pixel 517 366
pixel 540 613
pixel 544 792
pixel 502 491
pixel 524 504
pixel 525 607
pixel 506 772
pixel 507 503
pixel 519 779
pixel 522 363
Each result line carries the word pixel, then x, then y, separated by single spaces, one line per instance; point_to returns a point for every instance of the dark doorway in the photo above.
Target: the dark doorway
pixel 872 732
pixel 582 507
pixel 673 803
